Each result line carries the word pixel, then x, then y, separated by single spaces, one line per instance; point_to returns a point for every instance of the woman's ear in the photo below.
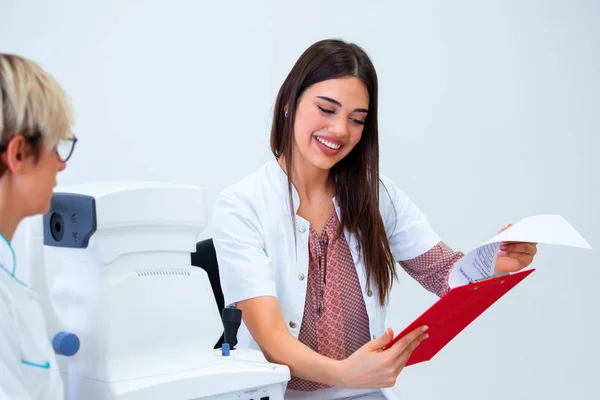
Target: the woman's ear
pixel 15 155
pixel 285 110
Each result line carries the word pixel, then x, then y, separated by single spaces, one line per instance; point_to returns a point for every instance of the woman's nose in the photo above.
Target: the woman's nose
pixel 339 127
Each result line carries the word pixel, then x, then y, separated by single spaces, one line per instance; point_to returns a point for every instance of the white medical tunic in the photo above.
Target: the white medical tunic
pixel 28 367
pixel 259 255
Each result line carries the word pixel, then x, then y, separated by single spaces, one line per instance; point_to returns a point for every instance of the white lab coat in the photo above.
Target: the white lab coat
pixel 257 254
pixel 28 368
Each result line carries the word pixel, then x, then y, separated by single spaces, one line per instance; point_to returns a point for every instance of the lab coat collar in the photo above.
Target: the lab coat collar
pixel 8 259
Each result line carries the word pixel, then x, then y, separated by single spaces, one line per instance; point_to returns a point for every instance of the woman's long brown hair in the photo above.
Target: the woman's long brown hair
pixel 356 176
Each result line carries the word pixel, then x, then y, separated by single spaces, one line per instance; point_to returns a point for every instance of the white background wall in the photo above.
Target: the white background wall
pixel 489 113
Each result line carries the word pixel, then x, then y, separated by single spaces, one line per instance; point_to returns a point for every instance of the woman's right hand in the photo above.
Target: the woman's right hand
pixel 371 367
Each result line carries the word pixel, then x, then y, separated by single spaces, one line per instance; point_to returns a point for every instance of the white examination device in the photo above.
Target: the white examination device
pixel 129 316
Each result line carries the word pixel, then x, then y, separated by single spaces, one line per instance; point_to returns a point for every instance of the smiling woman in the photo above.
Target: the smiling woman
pixel 307 245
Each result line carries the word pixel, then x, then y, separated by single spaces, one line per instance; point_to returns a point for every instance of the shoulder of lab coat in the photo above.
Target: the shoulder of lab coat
pixel 409 231
pixel 245 269
pixel 11 373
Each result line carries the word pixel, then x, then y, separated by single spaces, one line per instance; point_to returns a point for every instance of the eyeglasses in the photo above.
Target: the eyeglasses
pixel 65 147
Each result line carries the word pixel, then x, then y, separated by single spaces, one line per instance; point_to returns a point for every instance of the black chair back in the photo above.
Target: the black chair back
pixel 205 257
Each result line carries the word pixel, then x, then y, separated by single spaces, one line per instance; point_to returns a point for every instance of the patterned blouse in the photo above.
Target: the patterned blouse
pixel 335 322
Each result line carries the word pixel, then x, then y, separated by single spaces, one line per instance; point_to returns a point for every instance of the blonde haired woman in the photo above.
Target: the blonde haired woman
pixel 35 144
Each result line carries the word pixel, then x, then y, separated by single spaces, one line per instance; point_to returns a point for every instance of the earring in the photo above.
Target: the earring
pixel 285 114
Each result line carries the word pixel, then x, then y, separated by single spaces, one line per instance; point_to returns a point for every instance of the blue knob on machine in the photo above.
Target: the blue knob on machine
pixel 225 349
pixel 66 344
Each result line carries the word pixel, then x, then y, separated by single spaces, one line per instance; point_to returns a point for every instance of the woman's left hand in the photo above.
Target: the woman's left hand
pixel 514 256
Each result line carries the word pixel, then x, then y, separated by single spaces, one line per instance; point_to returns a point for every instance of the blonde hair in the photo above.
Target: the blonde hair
pixel 31 103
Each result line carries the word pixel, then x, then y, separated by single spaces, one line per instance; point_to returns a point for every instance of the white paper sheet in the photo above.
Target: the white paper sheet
pixel 546 229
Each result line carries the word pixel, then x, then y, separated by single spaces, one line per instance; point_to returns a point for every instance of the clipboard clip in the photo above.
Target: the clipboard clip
pixel 491 277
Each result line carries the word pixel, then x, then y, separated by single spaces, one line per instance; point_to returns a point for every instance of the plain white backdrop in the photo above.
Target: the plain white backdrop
pixel 489 112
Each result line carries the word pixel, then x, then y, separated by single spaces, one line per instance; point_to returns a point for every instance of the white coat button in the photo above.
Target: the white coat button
pixel 301 276
pixel 369 293
pixel 373 337
pixel 293 324
pixel 302 229
pixel 358 247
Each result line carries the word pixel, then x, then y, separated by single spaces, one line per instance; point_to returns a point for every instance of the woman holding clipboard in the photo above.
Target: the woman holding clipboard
pixel 307 245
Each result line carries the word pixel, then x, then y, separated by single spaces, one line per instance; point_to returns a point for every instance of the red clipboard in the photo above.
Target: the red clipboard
pixel 454 311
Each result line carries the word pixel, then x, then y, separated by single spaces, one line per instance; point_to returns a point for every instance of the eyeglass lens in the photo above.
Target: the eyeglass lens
pixel 65 149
